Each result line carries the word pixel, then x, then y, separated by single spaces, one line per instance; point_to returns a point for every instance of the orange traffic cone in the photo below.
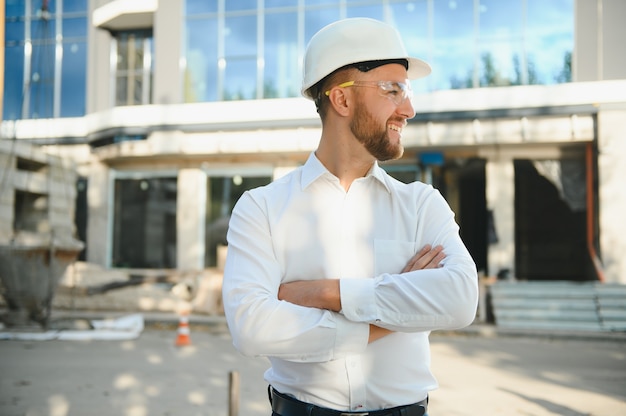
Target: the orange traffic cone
pixel 183 331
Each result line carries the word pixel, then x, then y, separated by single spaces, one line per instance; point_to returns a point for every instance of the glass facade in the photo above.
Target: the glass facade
pixel 249 49
pixel 252 50
pixel 45 59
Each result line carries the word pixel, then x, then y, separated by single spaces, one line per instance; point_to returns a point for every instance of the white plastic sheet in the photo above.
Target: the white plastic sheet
pixel 123 328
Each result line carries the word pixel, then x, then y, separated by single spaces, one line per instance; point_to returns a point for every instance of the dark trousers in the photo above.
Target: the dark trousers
pixel 283 405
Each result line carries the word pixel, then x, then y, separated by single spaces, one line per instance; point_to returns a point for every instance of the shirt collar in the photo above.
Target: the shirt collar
pixel 313 169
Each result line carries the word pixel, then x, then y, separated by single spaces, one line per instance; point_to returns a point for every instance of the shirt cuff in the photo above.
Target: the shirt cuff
pixel 358 302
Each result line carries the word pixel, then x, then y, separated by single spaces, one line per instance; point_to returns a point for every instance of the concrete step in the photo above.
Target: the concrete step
pixel 561 305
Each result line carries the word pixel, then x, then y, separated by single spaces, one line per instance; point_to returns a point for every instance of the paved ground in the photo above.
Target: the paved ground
pixel 478 375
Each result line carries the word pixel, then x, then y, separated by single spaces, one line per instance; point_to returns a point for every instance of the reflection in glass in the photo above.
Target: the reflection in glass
pixel 453 45
pixel 13 82
pixel 469 44
pixel 411 20
pixel 315 19
pixel 70 6
pixel 223 193
pixel 280 3
pixel 41 89
pixel 240 63
pixel 281 76
pixel 74 79
pixel 550 40
pixel 144 223
pixel 201 69
pixel 240 5
pixel 193 7
pixel 75 27
pixel 240 79
pixel 240 37
pixel 373 12
pixel 14 30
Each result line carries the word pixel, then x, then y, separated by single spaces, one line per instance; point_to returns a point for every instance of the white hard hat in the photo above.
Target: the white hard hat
pixel 351 41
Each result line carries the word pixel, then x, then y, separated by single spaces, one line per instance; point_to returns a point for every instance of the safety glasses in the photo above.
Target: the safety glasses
pixel 398 92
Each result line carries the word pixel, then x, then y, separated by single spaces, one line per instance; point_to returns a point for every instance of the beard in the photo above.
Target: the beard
pixel 374 137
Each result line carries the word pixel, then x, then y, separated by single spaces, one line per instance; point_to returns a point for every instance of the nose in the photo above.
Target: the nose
pixel 406 109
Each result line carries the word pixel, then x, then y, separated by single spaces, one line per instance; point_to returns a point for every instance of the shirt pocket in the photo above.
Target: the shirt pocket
pixel 390 256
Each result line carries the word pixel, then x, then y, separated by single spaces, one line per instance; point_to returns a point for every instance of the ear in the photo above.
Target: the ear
pixel 340 100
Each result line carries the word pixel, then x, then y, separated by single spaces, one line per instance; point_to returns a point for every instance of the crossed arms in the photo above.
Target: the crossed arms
pixel 326 293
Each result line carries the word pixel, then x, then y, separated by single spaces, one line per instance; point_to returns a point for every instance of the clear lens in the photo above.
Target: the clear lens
pixel 397 92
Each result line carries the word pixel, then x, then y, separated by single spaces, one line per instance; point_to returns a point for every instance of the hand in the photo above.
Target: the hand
pixel 427 258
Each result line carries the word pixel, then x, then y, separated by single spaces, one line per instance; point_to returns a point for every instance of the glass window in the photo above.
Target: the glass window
pixel 453 44
pixel 201 70
pixel 315 19
pixel 13 82
pixel 549 41
pixel 144 223
pixel 240 69
pixel 411 20
pixel 41 91
pixel 238 82
pixel 280 3
pixel 70 6
pixel 240 5
pixel 39 5
pixel 281 72
pixel 223 193
pixel 374 12
pixel 193 7
pixel 316 2
pixel 14 30
pixel 14 8
pixel 74 79
pixel 240 37
pixel 500 36
pixel 75 27
pixel 42 29
pixel 133 77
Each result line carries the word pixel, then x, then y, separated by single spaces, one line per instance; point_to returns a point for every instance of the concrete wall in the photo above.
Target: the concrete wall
pixel 99 91
pixel 168 83
pixel 598 40
pixel 612 191
pixel 38 194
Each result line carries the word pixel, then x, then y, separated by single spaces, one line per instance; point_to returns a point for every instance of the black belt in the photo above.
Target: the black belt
pixel 284 405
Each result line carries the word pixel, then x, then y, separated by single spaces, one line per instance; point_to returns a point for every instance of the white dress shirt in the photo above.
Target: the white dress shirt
pixel 306 226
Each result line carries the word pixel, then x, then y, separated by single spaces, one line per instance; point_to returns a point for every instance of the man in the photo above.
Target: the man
pixel 337 272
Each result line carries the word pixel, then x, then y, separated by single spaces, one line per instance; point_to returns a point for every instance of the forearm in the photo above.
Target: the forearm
pixel 320 294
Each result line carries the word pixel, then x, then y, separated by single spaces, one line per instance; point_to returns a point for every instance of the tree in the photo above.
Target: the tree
pixel 565 75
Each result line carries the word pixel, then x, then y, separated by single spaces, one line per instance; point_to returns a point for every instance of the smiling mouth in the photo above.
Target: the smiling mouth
pixel 395 128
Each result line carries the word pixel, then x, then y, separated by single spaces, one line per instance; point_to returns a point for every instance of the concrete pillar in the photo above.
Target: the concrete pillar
pixel 100 203
pixel 612 192
pixel 501 201
pixel 191 203
pixel 168 24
